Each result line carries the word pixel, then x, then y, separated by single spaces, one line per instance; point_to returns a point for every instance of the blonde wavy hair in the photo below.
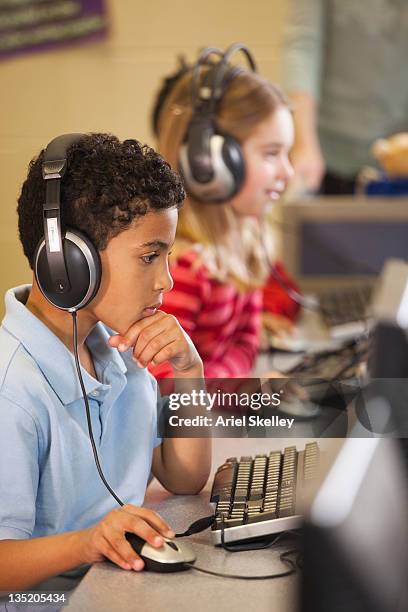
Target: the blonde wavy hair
pixel 234 248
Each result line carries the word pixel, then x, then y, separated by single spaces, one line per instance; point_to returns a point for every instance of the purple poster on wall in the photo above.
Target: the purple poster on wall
pixel 34 25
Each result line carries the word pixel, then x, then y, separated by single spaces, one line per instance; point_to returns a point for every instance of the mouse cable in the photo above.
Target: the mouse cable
pixel 88 414
pixel 198 526
pixel 284 557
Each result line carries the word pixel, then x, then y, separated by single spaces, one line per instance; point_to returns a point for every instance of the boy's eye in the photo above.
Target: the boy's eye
pixel 148 259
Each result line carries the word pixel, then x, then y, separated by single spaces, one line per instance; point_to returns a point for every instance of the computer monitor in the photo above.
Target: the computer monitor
pixel 356 531
pixel 355 553
pixel 341 241
pixel 387 388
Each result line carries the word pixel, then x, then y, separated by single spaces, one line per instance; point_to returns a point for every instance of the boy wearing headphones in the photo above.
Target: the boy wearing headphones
pixel 119 207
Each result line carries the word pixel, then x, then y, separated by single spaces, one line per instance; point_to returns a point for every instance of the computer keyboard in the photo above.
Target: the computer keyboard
pixel 344 310
pixel 263 495
pixel 343 363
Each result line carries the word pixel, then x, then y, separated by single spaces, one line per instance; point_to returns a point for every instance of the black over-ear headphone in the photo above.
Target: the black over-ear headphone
pixel 211 163
pixel 66 263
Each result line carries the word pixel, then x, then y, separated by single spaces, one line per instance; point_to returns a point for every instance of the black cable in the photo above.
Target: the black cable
pixel 267 543
pixel 301 300
pixel 291 564
pixel 298 298
pixel 197 526
pixel 307 365
pixel 88 414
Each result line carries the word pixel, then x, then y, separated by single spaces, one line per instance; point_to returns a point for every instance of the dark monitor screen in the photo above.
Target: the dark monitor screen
pixel 388 372
pixel 356 533
pixel 331 248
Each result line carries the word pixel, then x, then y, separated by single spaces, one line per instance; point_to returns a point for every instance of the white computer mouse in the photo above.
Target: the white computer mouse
pixel 172 556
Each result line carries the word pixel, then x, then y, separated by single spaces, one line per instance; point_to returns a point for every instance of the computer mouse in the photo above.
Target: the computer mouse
pixel 172 556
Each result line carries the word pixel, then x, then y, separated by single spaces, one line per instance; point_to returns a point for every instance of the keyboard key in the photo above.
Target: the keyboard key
pixel 256 494
pixel 262 516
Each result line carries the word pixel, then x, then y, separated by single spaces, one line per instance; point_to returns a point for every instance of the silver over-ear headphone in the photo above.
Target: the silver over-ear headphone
pixel 66 263
pixel 212 163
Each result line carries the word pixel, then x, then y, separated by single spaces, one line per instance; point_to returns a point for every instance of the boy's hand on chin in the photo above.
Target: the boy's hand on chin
pixel 159 338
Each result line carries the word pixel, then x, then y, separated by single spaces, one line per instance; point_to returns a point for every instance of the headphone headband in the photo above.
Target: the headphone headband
pixel 221 77
pixel 195 79
pixel 53 169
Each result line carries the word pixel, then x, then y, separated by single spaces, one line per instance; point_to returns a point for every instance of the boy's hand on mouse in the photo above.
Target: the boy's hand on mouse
pixel 157 339
pixel 106 540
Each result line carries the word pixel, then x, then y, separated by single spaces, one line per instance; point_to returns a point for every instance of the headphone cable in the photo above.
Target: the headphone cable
pixel 309 303
pixel 88 413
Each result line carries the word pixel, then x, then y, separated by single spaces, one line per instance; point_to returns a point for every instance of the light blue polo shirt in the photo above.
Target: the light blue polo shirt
pixel 48 479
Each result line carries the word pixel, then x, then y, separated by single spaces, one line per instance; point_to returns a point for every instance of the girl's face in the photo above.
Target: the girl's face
pixel 267 165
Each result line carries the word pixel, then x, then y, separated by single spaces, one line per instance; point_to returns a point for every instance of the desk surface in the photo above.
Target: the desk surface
pixel 107 587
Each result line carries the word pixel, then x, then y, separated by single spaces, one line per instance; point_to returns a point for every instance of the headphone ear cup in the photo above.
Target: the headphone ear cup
pixel 83 267
pixel 234 160
pixel 227 170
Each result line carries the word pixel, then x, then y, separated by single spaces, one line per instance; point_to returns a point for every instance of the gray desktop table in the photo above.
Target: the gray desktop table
pixel 106 587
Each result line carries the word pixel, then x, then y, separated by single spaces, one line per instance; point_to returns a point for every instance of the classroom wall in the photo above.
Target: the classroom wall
pixel 109 86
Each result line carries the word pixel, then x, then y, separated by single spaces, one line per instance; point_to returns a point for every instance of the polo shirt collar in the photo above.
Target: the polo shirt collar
pixel 53 358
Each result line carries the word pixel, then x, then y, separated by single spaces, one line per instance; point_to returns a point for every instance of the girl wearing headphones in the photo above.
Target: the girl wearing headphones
pixel 229 131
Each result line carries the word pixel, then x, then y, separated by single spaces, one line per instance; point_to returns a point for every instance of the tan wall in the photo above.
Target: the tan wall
pixel 109 86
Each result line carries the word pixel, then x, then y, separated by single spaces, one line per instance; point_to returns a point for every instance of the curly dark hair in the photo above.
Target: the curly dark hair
pixel 107 185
